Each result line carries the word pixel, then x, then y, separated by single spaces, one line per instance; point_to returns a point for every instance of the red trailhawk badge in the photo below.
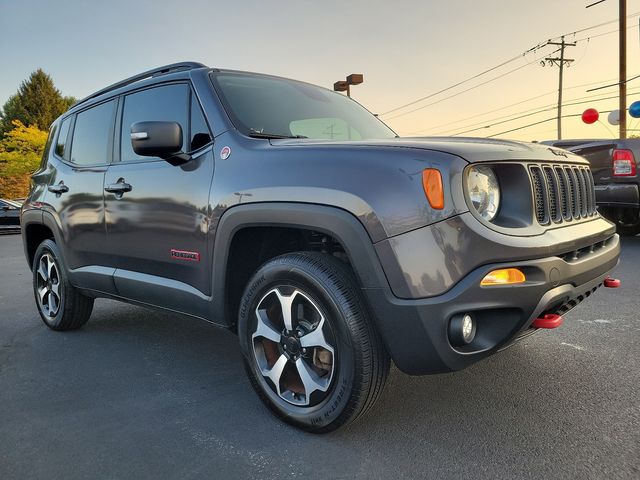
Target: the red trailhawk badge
pixel 184 255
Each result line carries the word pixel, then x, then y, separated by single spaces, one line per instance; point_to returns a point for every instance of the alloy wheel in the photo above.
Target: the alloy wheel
pixel 48 286
pixel 294 346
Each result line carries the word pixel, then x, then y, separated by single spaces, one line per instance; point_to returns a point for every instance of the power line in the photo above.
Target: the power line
pixel 532 49
pixel 612 84
pixel 527 126
pixel 507 106
pixel 524 113
pixel 538 111
pixel 593 27
pixel 538 123
pixel 485 122
pixel 517 115
pixel 468 89
pixel 603 34
pixel 455 85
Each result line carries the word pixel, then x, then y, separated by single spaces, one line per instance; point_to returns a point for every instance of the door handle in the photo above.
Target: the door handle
pixel 58 189
pixel 119 187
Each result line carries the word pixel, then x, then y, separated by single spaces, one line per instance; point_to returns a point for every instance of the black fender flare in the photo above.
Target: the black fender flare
pixel 36 216
pixel 338 223
pixel 29 217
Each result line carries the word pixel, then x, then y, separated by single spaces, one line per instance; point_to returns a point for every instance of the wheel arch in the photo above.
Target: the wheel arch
pixel 36 227
pixel 339 224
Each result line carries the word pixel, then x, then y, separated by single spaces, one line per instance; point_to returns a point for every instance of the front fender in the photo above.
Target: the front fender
pixel 336 222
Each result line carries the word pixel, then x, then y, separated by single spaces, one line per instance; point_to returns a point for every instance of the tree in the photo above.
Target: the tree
pixel 36 103
pixel 20 153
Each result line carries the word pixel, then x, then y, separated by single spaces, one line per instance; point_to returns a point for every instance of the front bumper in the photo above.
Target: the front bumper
pixel 416 330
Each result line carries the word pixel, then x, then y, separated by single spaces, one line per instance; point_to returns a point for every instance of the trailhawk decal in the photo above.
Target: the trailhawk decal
pixel 184 255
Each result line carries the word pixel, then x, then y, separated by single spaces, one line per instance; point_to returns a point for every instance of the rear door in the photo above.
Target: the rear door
pixel 81 153
pixel 158 230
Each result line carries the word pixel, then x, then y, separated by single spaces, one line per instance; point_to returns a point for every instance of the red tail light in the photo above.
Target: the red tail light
pixel 624 164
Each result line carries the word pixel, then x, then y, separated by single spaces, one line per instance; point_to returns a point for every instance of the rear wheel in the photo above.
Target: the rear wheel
pixel 310 349
pixel 60 304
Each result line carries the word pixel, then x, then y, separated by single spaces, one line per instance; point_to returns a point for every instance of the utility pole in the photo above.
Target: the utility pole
pixel 560 62
pixel 622 63
pixel 622 50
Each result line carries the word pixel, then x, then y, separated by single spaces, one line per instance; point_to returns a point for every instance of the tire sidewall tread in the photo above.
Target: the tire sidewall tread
pixel 75 309
pixel 334 286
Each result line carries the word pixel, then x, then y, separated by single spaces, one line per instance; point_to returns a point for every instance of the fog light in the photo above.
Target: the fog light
pixel 503 276
pixel 462 330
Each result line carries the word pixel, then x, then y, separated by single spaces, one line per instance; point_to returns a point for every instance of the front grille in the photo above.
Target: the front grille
pixel 538 194
pixel 562 193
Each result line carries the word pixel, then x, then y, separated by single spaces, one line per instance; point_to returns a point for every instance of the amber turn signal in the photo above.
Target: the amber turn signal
pixel 503 276
pixel 432 184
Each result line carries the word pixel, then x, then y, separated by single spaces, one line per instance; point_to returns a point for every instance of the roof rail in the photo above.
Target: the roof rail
pixel 174 67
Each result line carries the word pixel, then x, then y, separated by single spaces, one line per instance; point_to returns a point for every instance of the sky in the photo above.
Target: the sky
pixel 406 50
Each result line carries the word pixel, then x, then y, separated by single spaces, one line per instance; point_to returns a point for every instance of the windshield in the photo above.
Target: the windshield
pixel 273 107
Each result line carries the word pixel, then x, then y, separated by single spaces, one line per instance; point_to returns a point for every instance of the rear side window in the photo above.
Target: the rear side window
pixel 92 135
pixel 47 146
pixel 168 103
pixel 61 142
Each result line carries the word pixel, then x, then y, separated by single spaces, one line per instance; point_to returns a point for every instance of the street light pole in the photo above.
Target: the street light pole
pixel 345 85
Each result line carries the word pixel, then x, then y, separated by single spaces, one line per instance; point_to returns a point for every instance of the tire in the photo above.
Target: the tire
pixel 628 229
pixel 61 306
pixel 333 368
pixel 627 220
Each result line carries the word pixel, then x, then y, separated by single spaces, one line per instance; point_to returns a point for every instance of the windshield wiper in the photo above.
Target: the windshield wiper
pixel 254 134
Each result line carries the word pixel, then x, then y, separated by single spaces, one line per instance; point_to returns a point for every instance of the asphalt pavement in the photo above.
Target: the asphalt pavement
pixel 145 394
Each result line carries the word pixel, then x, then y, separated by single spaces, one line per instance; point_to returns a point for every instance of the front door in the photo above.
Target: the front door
pixel 156 213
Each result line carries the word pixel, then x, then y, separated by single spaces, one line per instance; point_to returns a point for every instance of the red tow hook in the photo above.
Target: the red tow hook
pixel 611 282
pixel 550 320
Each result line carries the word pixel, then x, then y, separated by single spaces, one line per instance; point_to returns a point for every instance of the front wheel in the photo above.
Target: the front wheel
pixel 309 346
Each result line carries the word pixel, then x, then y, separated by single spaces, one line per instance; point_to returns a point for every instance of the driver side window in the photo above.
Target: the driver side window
pixel 168 103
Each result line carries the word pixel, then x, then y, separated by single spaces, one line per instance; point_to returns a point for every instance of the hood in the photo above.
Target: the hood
pixel 471 149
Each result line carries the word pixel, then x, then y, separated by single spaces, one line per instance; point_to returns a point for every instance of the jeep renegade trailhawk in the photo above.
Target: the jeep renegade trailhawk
pixel 291 215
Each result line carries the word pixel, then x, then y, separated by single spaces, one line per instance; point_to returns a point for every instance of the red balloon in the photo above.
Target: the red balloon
pixel 590 115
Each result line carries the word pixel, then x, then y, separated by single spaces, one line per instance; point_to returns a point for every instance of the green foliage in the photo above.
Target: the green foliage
pixel 20 153
pixel 37 102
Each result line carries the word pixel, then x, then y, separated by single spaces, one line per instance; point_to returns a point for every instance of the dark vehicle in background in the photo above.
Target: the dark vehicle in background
pixel 614 165
pixel 9 216
pixel 292 216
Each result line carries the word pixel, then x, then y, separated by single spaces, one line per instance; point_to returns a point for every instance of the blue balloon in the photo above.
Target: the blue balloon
pixel 634 109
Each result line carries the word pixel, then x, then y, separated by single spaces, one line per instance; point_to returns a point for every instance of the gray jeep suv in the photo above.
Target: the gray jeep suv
pixel 291 215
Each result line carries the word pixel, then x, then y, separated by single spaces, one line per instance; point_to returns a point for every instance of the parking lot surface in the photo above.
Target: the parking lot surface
pixel 145 394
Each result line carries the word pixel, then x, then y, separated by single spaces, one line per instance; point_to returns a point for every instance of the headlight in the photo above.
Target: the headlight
pixel 484 191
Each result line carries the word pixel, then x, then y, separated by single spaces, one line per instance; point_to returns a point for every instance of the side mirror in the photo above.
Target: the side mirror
pixel 159 139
